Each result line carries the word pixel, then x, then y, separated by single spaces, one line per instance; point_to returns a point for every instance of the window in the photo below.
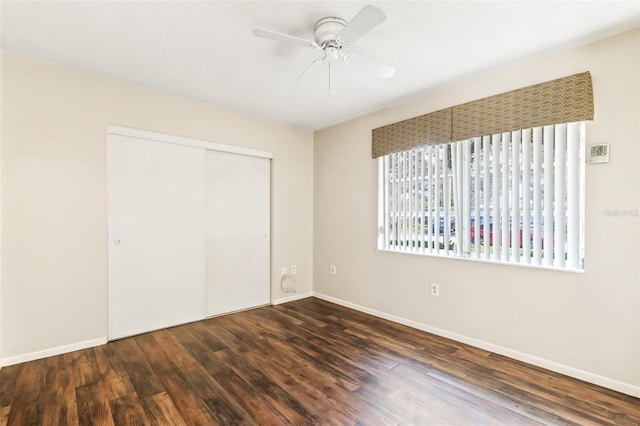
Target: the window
pixel 514 197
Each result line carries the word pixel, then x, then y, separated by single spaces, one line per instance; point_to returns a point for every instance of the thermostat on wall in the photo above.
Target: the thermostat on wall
pixel 599 153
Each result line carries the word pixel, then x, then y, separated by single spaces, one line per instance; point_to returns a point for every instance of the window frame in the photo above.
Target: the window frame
pixel 383 236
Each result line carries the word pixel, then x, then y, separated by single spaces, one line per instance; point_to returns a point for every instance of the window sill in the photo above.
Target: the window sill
pixel 489 262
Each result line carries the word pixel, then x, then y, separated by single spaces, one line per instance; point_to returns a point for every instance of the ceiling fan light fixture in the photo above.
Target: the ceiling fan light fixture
pixel 331 53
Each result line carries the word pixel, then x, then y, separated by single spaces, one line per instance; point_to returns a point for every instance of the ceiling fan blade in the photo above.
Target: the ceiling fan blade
pixel 311 65
pixel 362 23
pixel 285 38
pixel 376 68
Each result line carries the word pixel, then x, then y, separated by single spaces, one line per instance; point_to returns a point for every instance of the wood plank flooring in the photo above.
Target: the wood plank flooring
pixel 305 362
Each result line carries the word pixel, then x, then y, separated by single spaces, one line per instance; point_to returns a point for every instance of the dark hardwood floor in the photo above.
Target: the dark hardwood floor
pixel 305 362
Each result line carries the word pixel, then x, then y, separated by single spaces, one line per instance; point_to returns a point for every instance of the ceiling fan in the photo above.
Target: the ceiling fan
pixel 332 34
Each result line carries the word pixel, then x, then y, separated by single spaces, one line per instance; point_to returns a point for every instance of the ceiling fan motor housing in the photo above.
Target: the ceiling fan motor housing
pixel 327 29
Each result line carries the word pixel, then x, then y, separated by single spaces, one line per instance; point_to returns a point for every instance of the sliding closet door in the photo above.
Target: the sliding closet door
pixel 156 227
pixel 237 231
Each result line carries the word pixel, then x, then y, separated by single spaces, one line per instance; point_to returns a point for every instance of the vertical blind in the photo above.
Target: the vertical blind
pixel 507 197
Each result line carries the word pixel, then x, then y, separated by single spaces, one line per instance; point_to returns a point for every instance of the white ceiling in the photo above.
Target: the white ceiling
pixel 205 49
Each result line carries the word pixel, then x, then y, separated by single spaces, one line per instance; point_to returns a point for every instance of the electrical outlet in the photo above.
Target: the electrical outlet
pixel 284 270
pixel 333 269
pixel 435 289
pixel 294 270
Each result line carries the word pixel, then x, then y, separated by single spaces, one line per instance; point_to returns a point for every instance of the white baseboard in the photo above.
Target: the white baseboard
pixel 606 382
pixel 292 298
pixel 17 359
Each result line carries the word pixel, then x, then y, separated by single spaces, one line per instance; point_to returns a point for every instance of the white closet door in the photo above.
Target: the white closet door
pixel 156 226
pixel 237 231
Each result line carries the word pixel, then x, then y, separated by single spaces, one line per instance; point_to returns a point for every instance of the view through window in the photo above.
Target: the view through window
pixel 515 197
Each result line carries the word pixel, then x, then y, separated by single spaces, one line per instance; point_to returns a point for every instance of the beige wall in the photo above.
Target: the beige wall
pixel 585 324
pixel 0 205
pixel 54 206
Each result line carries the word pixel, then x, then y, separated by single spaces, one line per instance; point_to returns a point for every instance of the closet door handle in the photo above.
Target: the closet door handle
pixel 116 241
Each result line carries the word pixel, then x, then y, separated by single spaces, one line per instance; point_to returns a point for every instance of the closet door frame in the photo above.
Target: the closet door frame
pixel 179 140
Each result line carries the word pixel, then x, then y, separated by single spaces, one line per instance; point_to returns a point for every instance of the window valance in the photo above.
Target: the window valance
pixel 564 100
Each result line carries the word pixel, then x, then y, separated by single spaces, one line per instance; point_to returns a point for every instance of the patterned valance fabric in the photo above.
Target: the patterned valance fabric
pixel 428 129
pixel 564 100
